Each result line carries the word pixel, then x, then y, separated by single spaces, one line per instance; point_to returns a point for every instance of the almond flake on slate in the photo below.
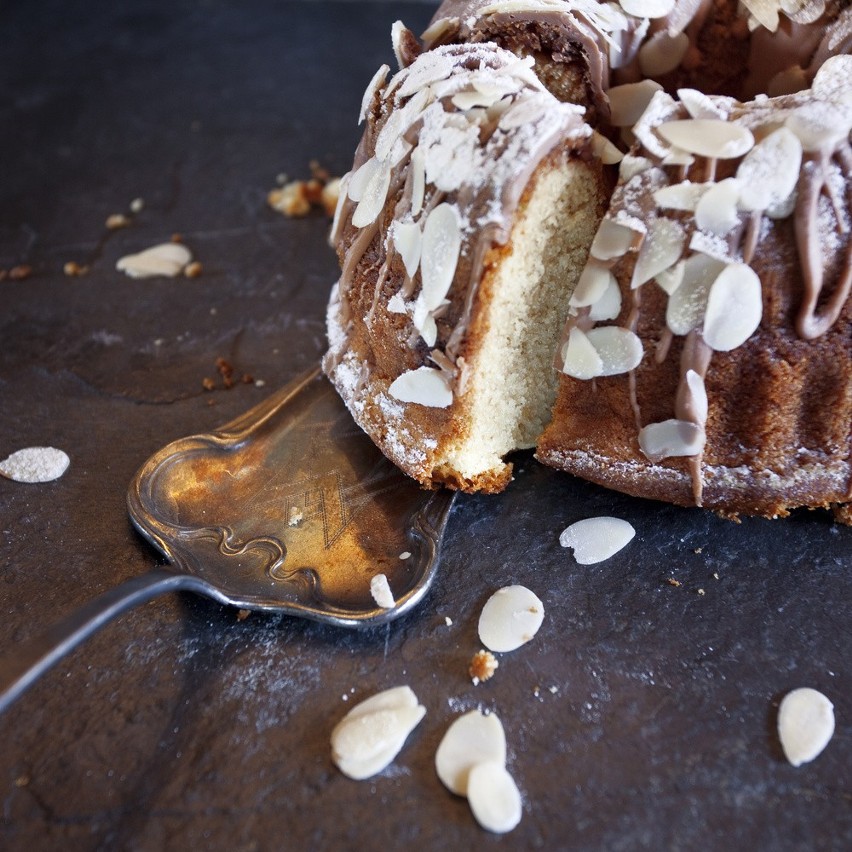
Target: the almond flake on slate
pixel 734 308
pixel 707 137
pixel 662 247
pixel 619 349
pixel 608 306
pixel 35 464
pixel 439 255
pixel 381 592
pixel 424 386
pixel 510 618
pixel 769 172
pixel 166 259
pixel 671 438
pixel 494 797
pixel 580 359
pixel 628 102
pixel 595 539
pixel 805 724
pixel 471 739
pixel 716 211
pixel 373 732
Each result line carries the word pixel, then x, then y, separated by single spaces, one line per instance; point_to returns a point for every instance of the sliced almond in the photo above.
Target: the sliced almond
pixel 370 92
pixel 803 11
pixel 424 322
pixel 647 8
pixel 697 395
pixel 631 166
pixel 716 211
pixel 408 241
pixel 662 247
pixel 429 67
pixel 580 359
pixel 396 304
pixel 381 591
pixel 686 306
pixel 628 102
pixel 805 724
pixel 707 137
pixel 769 172
pixel 608 306
pixel 670 438
pixel 424 386
pixel 360 178
pixel 595 539
pixel 680 196
pixel 35 464
pixel 699 105
pixel 605 150
pixel 619 349
pixel 611 240
pixel 764 11
pixel 418 181
pixel 734 308
pixel 373 197
pixel 592 284
pixel 510 618
pixel 670 279
pixel 471 739
pixel 662 53
pixel 820 124
pixel 440 253
pixel 167 260
pixel 494 797
pixel 833 81
pixel 373 732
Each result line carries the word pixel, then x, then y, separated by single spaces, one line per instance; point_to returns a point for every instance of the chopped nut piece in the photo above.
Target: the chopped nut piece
pixel 243 614
pixel 208 384
pixel 116 221
pixel 701 592
pixel 291 200
pixel 672 582
pixel 177 238
pixel 74 270
pixel 137 205
pixel 482 666
pixel 193 270
pixel 20 272
pixel 330 195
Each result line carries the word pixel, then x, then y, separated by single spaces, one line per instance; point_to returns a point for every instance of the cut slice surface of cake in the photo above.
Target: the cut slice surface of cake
pixel 462 230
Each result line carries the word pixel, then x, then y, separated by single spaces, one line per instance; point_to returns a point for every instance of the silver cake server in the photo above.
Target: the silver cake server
pixel 289 508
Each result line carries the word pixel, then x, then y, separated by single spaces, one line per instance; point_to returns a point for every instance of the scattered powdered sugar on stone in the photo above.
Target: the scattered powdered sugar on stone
pixel 35 464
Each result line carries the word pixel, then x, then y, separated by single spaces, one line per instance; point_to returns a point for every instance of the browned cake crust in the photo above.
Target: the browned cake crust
pixel 778 426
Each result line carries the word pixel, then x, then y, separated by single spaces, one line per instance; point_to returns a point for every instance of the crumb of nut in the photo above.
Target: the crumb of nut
pixel 672 582
pixel 701 592
pixel 291 199
pixel 482 666
pixel 247 379
pixel 117 220
pixel 226 371
pixel 243 614
pixel 177 238
pixel 313 191
pixel 259 383
pixel 715 575
pixel 448 621
pixel 319 173
pixel 208 384
pixel 330 195
pixel 20 272
pixel 211 402
pixel 137 205
pixel 4 274
pixel 193 270
pixel 22 780
pixel 697 550
pixel 74 270
pixel 296 516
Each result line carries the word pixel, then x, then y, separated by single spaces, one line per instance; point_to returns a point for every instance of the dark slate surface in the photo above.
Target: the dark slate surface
pixel 642 716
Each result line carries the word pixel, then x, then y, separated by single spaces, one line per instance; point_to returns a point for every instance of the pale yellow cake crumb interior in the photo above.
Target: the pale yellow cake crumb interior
pixel 514 383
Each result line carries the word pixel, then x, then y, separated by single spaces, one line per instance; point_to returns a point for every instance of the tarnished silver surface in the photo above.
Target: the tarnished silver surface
pixel 291 507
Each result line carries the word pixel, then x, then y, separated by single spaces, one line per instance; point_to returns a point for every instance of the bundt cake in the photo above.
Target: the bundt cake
pixel 708 350
pixel 461 232
pixel 707 353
